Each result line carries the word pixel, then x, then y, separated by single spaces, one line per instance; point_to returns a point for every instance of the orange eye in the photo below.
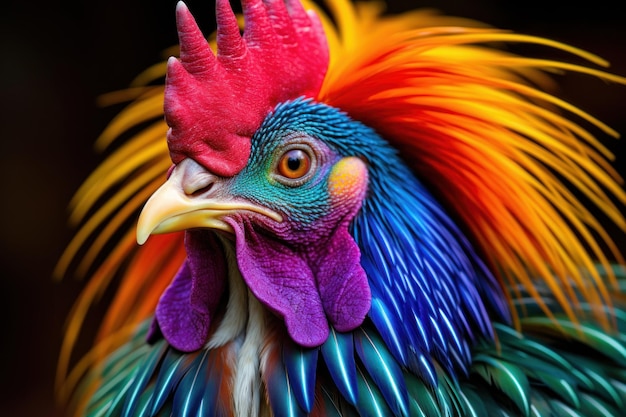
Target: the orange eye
pixel 294 164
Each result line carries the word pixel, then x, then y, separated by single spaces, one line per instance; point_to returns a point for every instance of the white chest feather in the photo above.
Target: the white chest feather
pixel 245 323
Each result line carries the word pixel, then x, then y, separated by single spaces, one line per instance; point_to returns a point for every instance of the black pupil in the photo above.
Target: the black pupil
pixel 294 161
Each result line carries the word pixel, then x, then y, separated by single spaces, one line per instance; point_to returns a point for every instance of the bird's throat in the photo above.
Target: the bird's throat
pixel 245 325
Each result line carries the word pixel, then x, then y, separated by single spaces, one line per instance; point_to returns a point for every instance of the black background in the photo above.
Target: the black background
pixel 59 56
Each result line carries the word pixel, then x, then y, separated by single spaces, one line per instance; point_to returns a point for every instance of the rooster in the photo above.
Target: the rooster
pixel 350 214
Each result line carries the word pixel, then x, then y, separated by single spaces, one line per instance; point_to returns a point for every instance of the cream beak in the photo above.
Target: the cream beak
pixel 192 198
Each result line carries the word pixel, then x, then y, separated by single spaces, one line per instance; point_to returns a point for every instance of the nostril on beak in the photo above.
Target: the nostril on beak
pixel 193 179
pixel 199 184
pixel 201 191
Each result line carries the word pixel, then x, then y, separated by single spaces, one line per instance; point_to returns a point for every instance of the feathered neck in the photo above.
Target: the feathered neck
pixel 432 296
pixel 476 125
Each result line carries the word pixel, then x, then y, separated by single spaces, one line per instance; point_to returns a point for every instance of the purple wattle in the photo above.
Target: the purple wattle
pixel 283 282
pixel 185 310
pixel 342 282
pixel 309 286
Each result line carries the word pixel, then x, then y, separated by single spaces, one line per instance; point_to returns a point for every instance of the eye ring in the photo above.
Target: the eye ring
pixel 294 164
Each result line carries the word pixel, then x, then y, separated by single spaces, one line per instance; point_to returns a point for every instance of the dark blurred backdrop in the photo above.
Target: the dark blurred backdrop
pixel 59 56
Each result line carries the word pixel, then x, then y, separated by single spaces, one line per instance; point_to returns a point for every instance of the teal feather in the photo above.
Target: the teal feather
pixel 124 356
pixel 590 335
pixel 561 410
pixel 595 406
pixel 601 386
pixel 143 406
pixel 422 401
pixel 383 369
pixel 119 376
pixel 473 406
pixel 114 406
pixel 423 367
pixel 508 378
pixel 117 372
pixel 142 378
pixel 618 386
pixel 583 380
pixel 371 401
pixel 558 382
pixel 301 365
pixel 338 354
pixel 519 343
pixel 541 364
pixel 450 395
pixel 335 405
pixel 331 405
pixel 103 398
pixel 540 405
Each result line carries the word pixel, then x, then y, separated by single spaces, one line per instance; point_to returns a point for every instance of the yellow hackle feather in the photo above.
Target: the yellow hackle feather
pixel 473 122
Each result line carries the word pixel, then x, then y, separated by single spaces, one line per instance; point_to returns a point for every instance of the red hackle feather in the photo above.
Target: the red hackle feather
pixel 282 55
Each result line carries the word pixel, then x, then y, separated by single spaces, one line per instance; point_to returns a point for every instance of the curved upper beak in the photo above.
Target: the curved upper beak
pixel 191 198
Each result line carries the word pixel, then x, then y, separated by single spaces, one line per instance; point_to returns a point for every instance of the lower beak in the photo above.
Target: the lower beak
pixel 181 203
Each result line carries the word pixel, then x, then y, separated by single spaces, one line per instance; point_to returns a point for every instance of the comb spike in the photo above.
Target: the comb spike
pixel 303 21
pixel 230 45
pixel 195 53
pixel 297 12
pixel 258 30
pixel 278 14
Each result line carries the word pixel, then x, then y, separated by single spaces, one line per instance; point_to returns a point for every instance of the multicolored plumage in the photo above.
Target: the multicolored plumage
pixel 366 215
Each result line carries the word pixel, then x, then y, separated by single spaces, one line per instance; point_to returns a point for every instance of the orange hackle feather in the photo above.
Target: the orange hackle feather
pixel 473 122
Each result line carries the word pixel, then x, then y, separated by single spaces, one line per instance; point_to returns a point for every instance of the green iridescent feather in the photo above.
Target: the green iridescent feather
pixel 554 367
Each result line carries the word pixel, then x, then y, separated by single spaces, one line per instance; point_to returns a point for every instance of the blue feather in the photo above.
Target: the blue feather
pixel 175 366
pixel 188 396
pixel 214 379
pixel 421 331
pixel 423 366
pixel 198 392
pixel 280 392
pixel 386 324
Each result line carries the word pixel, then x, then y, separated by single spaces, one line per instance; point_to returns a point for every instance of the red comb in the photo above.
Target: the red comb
pixel 213 104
